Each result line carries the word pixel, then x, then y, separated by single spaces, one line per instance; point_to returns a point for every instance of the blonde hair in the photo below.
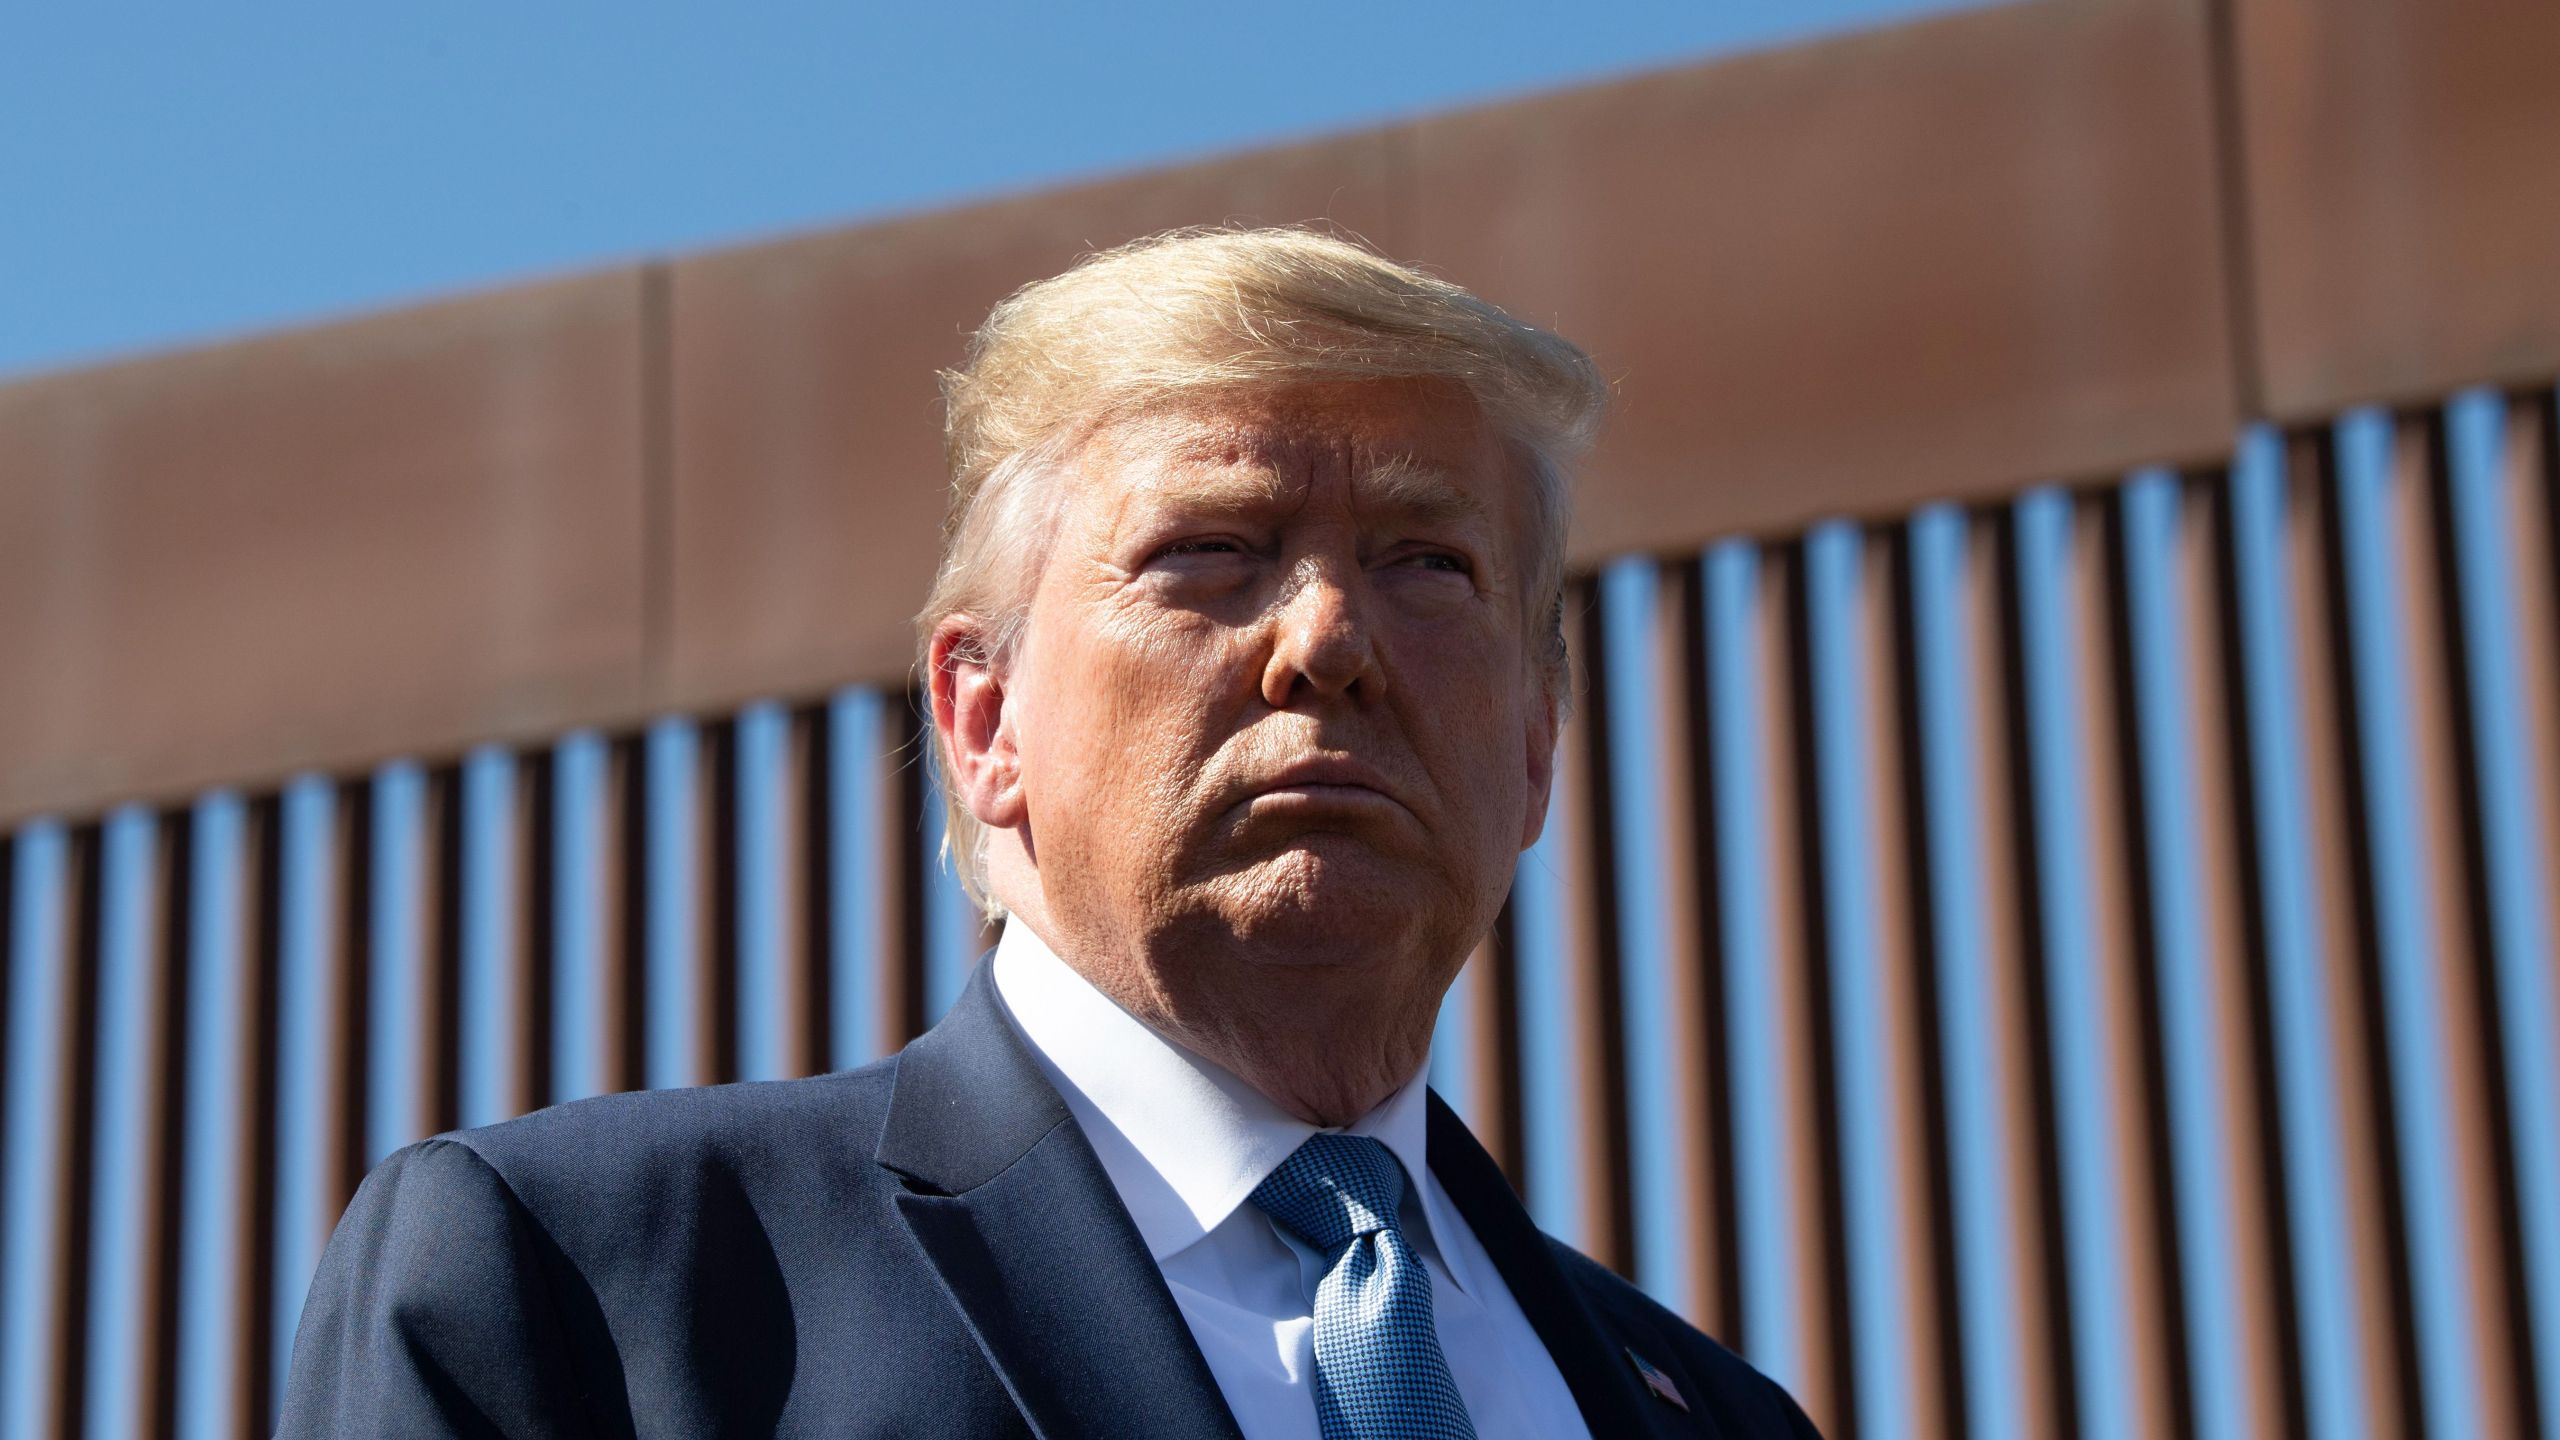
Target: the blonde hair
pixel 1190 314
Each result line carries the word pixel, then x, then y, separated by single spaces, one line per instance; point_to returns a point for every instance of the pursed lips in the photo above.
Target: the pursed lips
pixel 1340 779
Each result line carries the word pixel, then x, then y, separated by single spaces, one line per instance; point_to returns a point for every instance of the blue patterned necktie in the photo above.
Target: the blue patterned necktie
pixel 1379 1372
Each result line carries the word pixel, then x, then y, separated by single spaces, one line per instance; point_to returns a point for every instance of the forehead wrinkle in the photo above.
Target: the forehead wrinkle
pixel 1231 490
pixel 1221 464
pixel 1404 489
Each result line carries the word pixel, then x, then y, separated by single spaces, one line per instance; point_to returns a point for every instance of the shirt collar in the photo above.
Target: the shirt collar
pixel 1184 1141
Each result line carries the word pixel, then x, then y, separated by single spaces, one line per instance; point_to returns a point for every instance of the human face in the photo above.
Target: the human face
pixel 1275 706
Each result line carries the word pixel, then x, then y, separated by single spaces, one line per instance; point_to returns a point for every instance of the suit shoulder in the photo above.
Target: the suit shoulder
pixel 1760 1405
pixel 611 1143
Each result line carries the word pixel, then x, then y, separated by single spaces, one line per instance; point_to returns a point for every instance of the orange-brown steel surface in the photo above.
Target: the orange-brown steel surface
pixel 320 549
pixel 2026 244
pixel 1939 219
pixel 2401 219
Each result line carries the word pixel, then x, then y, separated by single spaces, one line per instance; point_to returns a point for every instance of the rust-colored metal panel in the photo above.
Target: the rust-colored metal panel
pixel 532 925
pixel 354 876
pixel 1996 230
pixel 712 954
pixel 79 1240
pixel 821 909
pixel 395 535
pixel 438 1016
pixel 2401 213
pixel 622 929
pixel 807 481
pixel 898 892
pixel 799 851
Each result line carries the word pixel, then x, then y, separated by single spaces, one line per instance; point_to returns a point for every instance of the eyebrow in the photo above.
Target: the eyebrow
pixel 1401 487
pixel 1422 492
pixel 1234 493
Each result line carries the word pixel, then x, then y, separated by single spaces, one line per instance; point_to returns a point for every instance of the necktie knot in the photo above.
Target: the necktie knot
pixel 1334 1189
pixel 1379 1371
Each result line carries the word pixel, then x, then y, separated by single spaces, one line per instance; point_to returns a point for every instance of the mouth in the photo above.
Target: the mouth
pixel 1319 783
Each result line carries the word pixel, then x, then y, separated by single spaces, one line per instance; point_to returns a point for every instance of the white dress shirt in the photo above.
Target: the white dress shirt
pixel 1185 1143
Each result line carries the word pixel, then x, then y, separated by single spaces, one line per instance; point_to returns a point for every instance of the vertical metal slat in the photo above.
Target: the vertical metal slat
pixel 1551 1101
pixel 1858 915
pixel 1598 1043
pixel 2492 456
pixel 2329 1300
pixel 2261 1288
pixel 678 1012
pixel 400 988
pixel 2372 502
pixel 1945 690
pixel 582 1028
pixel 2184 964
pixel 311 1034
pixel 1767 1204
pixel 768 1002
pixel 857 870
pixel 1697 994
pixel 216 1250
pixel 492 1062
pixel 1663 1131
pixel 122 1369
pixel 2105 1363
pixel 36 1275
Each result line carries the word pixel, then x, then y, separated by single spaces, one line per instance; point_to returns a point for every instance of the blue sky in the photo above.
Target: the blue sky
pixel 176 173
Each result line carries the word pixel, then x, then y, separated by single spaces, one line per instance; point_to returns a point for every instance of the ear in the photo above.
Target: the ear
pixel 973 722
pixel 1544 718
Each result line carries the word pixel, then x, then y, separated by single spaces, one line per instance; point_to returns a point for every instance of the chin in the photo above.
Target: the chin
pixel 1317 902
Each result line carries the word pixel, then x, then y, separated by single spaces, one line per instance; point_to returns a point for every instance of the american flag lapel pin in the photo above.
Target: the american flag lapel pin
pixel 1657 1382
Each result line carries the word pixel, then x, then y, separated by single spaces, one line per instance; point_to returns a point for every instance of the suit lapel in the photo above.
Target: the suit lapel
pixel 1595 1367
pixel 1032 1244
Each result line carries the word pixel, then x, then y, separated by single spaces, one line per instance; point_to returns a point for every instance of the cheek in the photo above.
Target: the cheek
pixel 1119 716
pixel 1475 707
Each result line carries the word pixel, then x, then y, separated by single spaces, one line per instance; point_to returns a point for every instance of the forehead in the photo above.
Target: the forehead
pixel 1286 439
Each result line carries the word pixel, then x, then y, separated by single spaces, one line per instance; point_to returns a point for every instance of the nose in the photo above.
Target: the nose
pixel 1321 643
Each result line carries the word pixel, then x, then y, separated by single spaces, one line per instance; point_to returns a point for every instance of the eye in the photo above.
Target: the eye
pixel 1202 547
pixel 1441 560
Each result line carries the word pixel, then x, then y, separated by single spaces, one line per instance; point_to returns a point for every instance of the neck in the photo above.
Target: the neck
pixel 1319 1042
pixel 1315 1076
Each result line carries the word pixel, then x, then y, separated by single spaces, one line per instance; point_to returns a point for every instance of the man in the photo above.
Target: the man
pixel 1245 660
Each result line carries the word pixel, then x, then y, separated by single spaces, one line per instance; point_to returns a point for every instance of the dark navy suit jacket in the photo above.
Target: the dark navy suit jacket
pixel 926 1246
